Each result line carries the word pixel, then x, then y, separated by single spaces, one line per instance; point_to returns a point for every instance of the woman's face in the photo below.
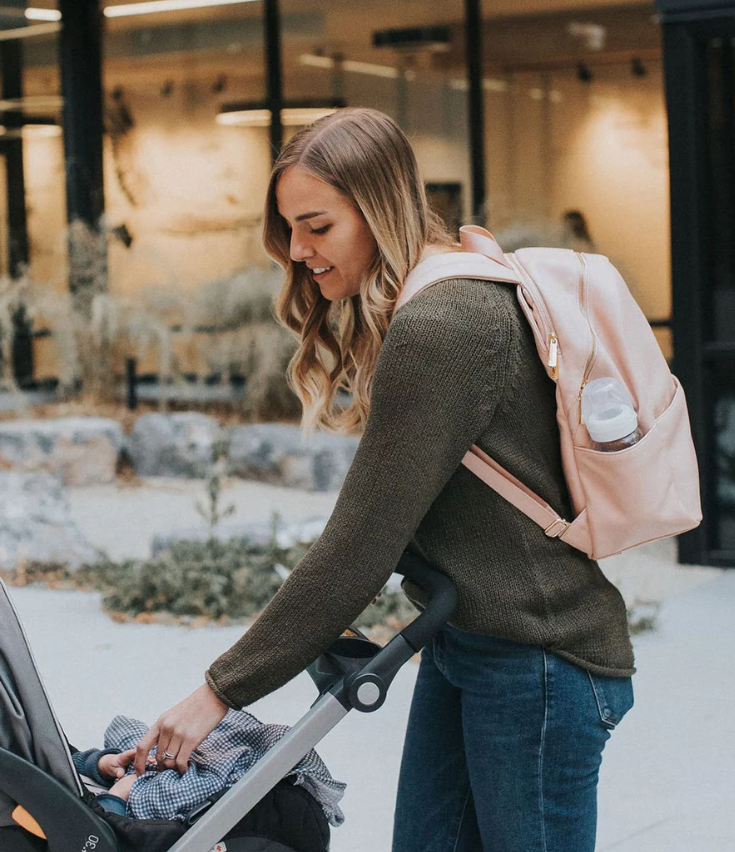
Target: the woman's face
pixel 328 233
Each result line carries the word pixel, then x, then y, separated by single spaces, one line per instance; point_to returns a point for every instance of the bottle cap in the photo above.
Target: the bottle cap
pixel 612 424
pixel 607 410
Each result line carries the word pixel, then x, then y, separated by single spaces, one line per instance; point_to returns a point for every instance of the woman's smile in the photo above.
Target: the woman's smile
pixel 319 272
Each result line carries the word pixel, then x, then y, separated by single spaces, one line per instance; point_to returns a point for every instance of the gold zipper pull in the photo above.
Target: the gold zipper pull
pixel 553 354
pixel 579 399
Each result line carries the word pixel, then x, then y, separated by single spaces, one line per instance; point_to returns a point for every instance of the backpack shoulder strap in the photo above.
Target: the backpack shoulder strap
pixel 453 264
pixel 481 257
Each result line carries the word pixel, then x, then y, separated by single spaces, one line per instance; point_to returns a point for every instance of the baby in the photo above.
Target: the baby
pixel 220 761
pixel 108 768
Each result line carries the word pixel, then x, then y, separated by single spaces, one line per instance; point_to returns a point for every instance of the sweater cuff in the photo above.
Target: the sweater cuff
pixel 89 766
pixel 113 804
pixel 218 692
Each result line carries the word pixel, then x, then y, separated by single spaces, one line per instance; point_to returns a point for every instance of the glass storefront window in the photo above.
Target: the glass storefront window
pixel 34 85
pixel 184 192
pixel 370 55
pixel 576 141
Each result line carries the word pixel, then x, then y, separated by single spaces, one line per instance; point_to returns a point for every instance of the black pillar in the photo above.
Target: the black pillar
pixel 273 77
pixel 81 84
pixel 686 96
pixel 11 69
pixel 473 45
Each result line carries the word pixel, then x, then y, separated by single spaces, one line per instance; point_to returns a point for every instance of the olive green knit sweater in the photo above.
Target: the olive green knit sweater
pixel 458 366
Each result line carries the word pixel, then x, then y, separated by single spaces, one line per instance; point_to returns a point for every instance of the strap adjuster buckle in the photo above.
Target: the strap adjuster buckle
pixel 557 528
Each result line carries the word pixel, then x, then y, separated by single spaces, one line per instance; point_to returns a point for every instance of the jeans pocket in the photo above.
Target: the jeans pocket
pixel 614 697
pixel 438 650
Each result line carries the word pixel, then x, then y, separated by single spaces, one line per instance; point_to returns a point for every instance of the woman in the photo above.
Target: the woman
pixel 515 700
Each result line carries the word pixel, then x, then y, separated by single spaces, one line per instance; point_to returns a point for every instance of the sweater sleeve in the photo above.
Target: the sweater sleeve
pixel 86 763
pixel 439 377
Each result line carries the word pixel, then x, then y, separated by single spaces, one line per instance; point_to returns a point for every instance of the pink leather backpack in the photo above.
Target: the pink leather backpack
pixel 587 326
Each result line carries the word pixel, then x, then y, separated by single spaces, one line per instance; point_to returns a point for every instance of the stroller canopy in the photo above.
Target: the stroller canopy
pixel 28 725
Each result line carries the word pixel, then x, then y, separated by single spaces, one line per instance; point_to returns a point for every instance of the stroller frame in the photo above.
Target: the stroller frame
pixel 353 674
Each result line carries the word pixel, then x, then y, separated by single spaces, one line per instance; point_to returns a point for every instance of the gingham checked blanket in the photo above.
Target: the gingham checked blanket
pixel 232 748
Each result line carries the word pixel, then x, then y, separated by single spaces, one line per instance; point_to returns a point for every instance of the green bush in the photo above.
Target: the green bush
pixel 214 580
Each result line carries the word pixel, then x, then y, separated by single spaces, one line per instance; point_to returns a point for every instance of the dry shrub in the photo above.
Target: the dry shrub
pixel 225 329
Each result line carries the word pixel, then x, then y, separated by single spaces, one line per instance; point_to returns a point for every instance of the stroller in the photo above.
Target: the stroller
pixel 44 806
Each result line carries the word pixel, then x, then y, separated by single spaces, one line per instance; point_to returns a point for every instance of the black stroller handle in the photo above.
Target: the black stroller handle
pixel 367 688
pixel 439 609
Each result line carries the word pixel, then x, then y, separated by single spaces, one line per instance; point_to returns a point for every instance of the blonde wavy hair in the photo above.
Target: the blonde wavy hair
pixel 366 156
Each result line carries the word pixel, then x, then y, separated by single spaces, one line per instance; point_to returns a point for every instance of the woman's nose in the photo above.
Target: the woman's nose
pixel 300 248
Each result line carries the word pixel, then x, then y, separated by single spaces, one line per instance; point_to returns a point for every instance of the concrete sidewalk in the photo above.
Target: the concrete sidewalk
pixel 668 778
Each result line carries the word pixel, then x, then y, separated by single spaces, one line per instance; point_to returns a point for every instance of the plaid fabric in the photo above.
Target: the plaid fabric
pixel 232 748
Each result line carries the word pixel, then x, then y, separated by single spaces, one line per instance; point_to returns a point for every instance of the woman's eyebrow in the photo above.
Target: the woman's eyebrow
pixel 304 216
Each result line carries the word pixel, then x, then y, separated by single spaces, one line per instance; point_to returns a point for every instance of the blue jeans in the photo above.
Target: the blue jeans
pixel 503 749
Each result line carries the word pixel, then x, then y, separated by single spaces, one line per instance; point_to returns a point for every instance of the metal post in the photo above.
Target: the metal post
pixel 131 366
pixel 11 69
pixel 473 43
pixel 686 94
pixel 81 82
pixel 273 76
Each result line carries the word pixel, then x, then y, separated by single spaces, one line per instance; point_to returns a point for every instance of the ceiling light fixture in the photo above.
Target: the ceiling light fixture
pixel 297 114
pixel 30 32
pixel 584 73
pixel 489 84
pixel 433 39
pixel 351 65
pixel 32 102
pixel 43 14
pixel 594 35
pixel 637 68
pixel 152 7
pixel 30 130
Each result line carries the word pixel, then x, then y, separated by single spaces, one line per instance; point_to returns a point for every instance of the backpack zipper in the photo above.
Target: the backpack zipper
pixel 553 354
pixel 584 308
pixel 552 342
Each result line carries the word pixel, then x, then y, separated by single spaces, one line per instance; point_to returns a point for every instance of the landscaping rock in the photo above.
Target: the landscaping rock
pixel 36 524
pixel 173 444
pixel 277 453
pixel 255 533
pixel 80 450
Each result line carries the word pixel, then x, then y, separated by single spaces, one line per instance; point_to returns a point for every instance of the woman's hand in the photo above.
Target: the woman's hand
pixel 115 765
pixel 180 730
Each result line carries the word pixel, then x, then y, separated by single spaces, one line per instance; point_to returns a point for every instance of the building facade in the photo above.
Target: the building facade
pixel 544 120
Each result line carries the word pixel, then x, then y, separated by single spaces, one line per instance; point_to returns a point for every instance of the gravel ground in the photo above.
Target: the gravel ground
pixel 122 519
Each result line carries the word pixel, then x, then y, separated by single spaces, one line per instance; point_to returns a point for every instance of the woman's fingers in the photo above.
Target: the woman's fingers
pixel 143 748
pixel 181 729
pixel 168 757
pixel 185 750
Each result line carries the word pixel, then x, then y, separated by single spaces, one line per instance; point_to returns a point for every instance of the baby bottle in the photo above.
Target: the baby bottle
pixel 608 413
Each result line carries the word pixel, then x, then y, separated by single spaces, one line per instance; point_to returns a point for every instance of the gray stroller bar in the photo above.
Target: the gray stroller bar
pixel 364 690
